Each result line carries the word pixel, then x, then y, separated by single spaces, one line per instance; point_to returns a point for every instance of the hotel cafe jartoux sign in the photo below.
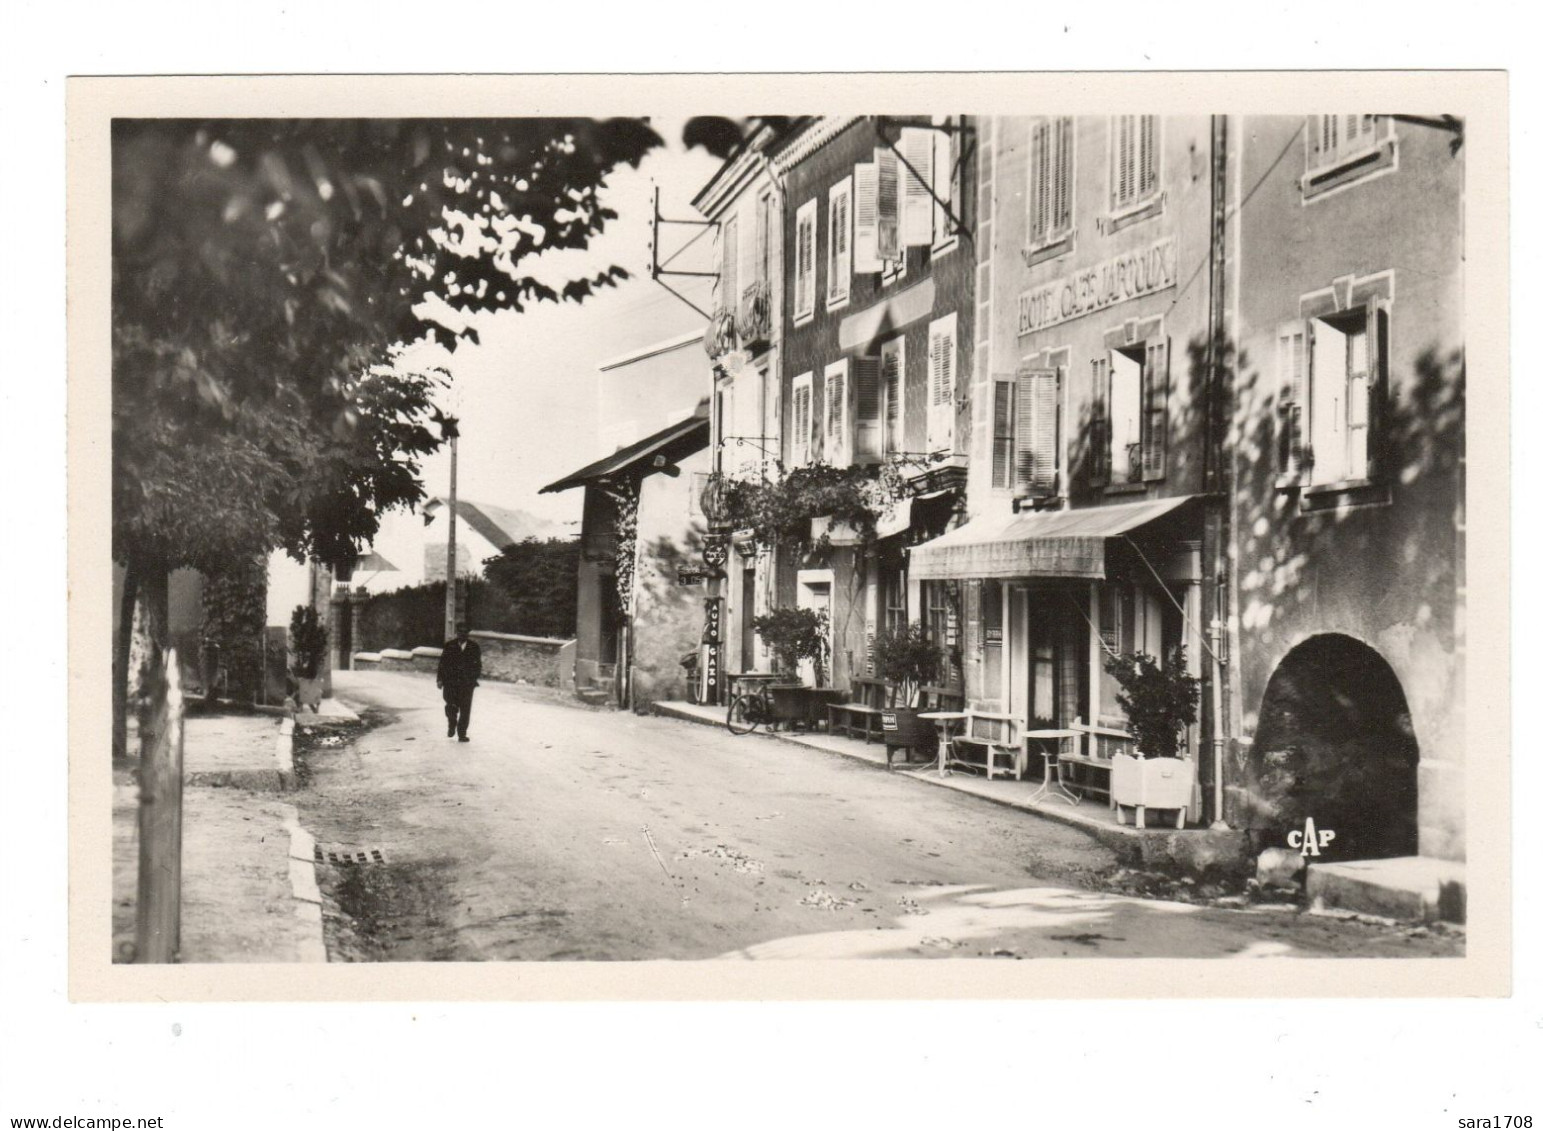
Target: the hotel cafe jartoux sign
pixel 1124 277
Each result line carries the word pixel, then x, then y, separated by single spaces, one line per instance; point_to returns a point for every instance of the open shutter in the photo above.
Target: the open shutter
pixel 865 234
pixel 836 416
pixel 867 433
pixel 1154 431
pixel 1148 179
pixel 1035 438
pixel 1099 431
pixel 838 274
pixel 943 184
pixel 1039 183
pixel 1377 385
pixel 1291 365
pixel 728 268
pixel 888 247
pixel 803 393
pixel 940 386
pixel 892 372
pixel 916 187
pixel 1002 454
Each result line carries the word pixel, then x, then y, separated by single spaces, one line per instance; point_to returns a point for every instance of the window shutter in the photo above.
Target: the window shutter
pixel 1002 431
pixel 1148 179
pixel 804 262
pixel 836 416
pixel 916 196
pixel 1154 386
pixel 867 383
pixel 893 373
pixel 1062 219
pixel 1291 365
pixel 888 247
pixel 1099 433
pixel 865 235
pixel 1124 161
pixel 1035 438
pixel 1377 320
pixel 728 277
pixel 802 393
pixel 840 282
pixel 1039 183
pixel 940 386
pixel 943 184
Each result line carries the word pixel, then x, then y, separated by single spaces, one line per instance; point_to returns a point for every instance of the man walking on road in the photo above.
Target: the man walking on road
pixel 460 666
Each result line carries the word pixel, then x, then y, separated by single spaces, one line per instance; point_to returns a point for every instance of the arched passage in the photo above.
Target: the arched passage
pixel 1335 743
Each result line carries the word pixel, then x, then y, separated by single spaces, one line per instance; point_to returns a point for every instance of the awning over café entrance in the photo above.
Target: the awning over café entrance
pixel 1041 544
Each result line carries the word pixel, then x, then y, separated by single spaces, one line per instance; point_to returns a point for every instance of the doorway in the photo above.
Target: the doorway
pixel 747 619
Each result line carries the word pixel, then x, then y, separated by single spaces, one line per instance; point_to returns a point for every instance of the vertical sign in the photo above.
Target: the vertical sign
pixel 712 636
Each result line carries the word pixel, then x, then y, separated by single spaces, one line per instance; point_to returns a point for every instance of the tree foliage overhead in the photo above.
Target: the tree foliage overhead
pixel 263 268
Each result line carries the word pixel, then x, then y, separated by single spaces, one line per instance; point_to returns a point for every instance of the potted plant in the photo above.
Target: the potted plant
pixel 307 654
pixel 1159 701
pixel 793 636
pixel 907 660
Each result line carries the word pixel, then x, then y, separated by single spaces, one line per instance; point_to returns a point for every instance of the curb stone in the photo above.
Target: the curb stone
pixel 284 752
pixel 302 881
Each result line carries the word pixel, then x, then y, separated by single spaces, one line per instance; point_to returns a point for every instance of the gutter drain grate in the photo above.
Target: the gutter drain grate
pixel 345 855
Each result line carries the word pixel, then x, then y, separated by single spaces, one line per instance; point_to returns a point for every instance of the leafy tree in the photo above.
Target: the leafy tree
pixel 263 269
pixel 538 581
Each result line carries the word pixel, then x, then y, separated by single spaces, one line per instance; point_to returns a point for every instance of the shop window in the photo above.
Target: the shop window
pixel 940 610
pixel 892 594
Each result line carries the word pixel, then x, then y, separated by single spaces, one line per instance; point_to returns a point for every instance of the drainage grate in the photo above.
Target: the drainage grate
pixel 348 854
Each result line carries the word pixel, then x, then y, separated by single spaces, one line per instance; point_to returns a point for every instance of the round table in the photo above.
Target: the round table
pixel 945 721
pixel 1053 762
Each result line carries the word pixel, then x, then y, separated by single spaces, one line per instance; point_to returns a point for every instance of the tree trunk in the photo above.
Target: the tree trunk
pixel 155 636
pixel 121 650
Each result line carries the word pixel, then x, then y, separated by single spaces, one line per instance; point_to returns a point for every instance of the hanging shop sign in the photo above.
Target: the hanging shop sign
pixel 692 575
pixel 1120 279
pixel 715 555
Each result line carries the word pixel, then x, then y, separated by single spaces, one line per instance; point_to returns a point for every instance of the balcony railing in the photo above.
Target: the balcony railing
pixel 755 320
pixel 721 337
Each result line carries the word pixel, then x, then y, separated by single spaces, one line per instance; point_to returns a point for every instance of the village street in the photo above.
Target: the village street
pixel 566 832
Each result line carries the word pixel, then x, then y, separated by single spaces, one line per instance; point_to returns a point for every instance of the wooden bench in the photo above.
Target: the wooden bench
pixel 1090 766
pixel 863 713
pixel 995 736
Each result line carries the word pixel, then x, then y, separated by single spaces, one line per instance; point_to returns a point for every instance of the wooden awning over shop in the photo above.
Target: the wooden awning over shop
pixel 1041 544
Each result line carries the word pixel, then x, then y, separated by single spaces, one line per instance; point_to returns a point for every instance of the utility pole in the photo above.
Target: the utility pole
pixel 453 431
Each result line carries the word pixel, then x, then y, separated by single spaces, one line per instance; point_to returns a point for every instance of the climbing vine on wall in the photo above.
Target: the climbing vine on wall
pixel 779 509
pixel 626 496
pixel 235 601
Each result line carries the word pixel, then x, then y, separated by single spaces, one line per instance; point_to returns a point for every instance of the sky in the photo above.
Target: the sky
pixel 526 395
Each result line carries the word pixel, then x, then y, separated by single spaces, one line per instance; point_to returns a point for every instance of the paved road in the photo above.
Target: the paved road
pixel 562 832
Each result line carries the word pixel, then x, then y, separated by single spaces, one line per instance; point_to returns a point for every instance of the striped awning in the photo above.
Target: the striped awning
pixel 1040 544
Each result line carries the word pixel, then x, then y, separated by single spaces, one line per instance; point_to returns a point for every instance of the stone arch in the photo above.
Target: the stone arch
pixel 1336 743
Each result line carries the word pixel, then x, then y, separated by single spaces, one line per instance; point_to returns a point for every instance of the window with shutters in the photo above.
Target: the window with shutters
pixel 1331 381
pixel 1343 149
pixel 942 364
pixel 941 604
pixel 803 261
pixel 803 420
pixel 1051 155
pixel 1002 419
pixel 892 382
pixel 838 442
pixel 1135 171
pixel 728 266
pixel 892 586
pixel 764 226
pixel 1130 425
pixel 838 244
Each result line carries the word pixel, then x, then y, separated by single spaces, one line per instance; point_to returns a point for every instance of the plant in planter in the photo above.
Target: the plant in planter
pixel 905 658
pixel 307 653
pixel 1159 701
pixel 794 635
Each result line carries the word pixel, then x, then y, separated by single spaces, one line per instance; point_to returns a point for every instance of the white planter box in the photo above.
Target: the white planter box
pixel 1150 783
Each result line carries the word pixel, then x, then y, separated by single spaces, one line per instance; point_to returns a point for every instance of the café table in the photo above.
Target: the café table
pixel 1053 764
pixel 944 721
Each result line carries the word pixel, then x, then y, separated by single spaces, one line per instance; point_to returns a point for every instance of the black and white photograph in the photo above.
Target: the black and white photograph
pixel 546 540
pixel 835 536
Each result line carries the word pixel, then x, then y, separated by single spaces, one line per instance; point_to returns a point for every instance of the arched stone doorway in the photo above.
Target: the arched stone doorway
pixel 1335 743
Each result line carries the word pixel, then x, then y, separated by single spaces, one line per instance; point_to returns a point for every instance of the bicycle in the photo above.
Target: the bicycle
pixel 750 705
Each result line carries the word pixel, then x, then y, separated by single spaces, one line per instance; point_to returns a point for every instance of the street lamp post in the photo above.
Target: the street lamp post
pixel 453 432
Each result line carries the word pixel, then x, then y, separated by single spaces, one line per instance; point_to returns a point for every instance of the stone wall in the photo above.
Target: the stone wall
pixel 505 657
